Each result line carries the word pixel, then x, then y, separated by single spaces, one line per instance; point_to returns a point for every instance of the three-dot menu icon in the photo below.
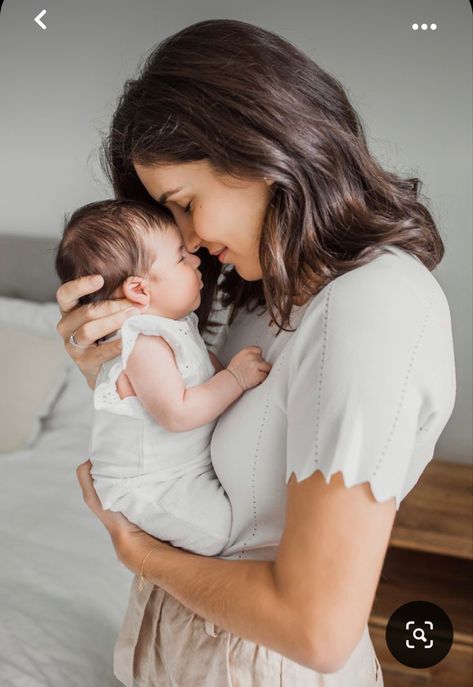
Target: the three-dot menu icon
pixel 424 27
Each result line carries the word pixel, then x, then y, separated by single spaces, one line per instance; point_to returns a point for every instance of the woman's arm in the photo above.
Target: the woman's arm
pixel 238 596
pixel 330 559
pixel 311 604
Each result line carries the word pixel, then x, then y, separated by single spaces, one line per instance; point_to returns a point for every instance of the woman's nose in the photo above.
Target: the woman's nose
pixel 191 240
pixel 192 245
pixel 196 260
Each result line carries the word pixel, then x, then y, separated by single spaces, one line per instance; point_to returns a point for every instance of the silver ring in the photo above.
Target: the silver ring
pixel 73 341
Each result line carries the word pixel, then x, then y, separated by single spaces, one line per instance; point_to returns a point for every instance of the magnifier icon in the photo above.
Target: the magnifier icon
pixel 420 634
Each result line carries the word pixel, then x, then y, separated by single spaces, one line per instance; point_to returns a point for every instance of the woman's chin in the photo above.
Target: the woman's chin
pixel 248 274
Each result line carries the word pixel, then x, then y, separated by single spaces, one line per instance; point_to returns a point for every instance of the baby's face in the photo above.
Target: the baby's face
pixel 174 282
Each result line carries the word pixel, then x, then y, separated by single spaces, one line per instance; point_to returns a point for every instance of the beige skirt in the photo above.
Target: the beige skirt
pixel 164 644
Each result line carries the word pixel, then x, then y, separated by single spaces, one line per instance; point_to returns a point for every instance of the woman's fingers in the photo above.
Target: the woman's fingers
pixel 85 481
pixel 79 319
pixel 106 314
pixel 68 294
pixel 87 332
pixel 89 323
pixel 116 523
pixel 91 359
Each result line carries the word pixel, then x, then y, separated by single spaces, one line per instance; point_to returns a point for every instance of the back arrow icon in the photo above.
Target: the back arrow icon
pixel 38 19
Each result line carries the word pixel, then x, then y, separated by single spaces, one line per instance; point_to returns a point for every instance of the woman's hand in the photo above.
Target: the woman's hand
pixel 89 323
pixel 131 544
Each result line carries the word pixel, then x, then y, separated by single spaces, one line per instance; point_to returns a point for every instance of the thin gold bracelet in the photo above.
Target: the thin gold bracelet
pixel 237 380
pixel 140 586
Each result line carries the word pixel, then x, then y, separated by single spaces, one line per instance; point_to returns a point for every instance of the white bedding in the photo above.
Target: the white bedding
pixel 63 593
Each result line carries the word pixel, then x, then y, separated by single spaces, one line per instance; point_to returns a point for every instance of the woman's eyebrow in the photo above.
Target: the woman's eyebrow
pixel 167 194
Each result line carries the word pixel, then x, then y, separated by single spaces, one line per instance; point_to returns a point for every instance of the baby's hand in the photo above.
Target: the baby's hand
pixel 249 368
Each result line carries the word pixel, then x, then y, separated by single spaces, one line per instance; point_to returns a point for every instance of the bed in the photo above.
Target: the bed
pixel 63 592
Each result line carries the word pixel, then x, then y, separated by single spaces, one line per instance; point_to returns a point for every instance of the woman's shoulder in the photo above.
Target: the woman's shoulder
pixel 394 287
pixel 383 299
pixel 376 314
pixel 374 366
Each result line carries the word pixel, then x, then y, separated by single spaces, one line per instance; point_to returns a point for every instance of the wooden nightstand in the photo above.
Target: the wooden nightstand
pixel 430 558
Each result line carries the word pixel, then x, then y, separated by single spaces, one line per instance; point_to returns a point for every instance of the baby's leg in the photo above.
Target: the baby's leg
pixel 192 512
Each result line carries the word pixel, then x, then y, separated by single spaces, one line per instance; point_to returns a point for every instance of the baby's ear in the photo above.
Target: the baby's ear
pixel 135 290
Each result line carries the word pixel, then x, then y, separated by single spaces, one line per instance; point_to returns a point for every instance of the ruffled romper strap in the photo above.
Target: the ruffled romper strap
pixel 174 332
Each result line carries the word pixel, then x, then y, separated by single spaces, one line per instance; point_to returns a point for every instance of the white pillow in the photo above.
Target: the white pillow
pixel 41 318
pixel 72 406
pixel 33 368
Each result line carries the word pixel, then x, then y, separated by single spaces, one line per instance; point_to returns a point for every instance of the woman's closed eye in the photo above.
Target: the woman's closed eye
pixel 185 209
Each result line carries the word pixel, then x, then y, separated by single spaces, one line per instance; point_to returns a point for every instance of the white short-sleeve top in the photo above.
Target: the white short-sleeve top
pixel 365 386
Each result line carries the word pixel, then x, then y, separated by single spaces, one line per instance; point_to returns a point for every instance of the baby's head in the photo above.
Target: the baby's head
pixel 138 250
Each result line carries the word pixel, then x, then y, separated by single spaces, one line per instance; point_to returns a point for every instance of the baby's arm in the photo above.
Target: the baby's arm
pixel 154 376
pixel 216 362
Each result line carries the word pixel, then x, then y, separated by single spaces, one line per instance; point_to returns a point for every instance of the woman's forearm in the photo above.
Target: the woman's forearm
pixel 241 597
pixel 238 596
pixel 91 380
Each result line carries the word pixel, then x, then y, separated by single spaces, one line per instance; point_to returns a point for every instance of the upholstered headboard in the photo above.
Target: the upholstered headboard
pixel 27 267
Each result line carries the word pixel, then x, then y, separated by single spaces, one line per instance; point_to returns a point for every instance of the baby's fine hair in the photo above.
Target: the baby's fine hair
pixel 109 237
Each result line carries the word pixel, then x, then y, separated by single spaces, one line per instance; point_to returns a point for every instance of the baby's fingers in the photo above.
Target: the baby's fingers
pixel 265 367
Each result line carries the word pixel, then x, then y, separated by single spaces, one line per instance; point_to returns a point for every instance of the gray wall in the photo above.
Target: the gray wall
pixel 412 89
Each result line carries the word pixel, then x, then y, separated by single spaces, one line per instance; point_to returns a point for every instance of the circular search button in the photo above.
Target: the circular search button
pixel 419 634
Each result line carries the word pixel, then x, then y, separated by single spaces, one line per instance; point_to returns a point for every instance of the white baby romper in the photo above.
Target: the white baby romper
pixel 162 481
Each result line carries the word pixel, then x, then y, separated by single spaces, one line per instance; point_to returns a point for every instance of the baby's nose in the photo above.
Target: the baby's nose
pixel 197 260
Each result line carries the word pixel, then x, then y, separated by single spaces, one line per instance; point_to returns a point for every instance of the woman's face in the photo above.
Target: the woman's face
pixel 219 213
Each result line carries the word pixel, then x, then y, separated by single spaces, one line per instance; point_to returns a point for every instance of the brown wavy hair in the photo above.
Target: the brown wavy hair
pixel 253 105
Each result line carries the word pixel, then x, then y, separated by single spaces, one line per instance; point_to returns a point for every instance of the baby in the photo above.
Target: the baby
pixel 157 403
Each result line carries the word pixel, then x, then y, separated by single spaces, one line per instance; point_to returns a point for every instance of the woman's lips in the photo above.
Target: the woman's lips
pixel 221 255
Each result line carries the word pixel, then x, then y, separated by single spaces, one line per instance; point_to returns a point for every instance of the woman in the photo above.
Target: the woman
pixel 262 161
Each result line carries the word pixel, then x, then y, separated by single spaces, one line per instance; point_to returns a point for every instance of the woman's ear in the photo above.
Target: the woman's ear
pixel 135 289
